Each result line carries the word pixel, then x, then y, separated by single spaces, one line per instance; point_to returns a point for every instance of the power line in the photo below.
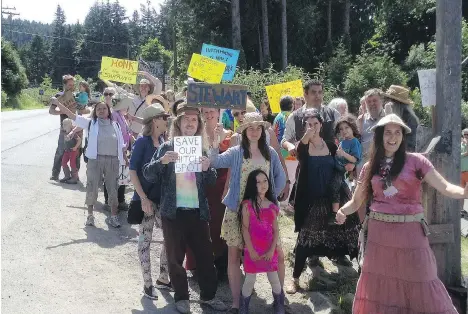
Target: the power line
pixel 72 39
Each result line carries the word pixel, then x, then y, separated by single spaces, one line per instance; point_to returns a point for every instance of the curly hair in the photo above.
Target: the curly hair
pixel 350 120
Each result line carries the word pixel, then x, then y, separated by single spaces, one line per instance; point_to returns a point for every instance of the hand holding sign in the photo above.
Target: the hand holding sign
pixel 190 157
pixel 206 69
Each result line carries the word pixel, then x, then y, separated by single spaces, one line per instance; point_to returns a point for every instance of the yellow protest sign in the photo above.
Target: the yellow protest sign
pixel 275 92
pixel 206 69
pixel 119 70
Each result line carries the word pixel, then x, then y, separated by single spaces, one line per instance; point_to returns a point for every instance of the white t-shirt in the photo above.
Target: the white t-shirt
pixel 135 126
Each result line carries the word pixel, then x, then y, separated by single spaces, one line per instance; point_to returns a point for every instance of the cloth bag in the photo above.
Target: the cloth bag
pixel 124 176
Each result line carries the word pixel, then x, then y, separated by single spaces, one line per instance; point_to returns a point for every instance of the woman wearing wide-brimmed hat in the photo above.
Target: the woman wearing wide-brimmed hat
pixel 399 270
pixel 148 195
pixel 399 103
pixel 252 153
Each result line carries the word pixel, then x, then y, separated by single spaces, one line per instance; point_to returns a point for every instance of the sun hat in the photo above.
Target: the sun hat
pixel 153 97
pixel 155 110
pixel 184 109
pixel 399 93
pixel 391 118
pixel 121 101
pixel 144 81
pixel 252 118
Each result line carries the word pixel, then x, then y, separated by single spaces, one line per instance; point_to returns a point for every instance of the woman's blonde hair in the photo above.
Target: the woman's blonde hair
pixel 176 131
pixel 147 127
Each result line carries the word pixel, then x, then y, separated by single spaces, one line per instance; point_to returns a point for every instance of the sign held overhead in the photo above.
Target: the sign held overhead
pixel 119 70
pixel 220 96
pixel 225 55
pixel 205 69
pixel 275 92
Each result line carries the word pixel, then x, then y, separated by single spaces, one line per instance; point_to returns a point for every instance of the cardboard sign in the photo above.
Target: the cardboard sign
pixel 225 55
pixel 154 68
pixel 119 70
pixel 427 84
pixel 217 96
pixel 67 99
pixel 275 92
pixel 189 149
pixel 206 69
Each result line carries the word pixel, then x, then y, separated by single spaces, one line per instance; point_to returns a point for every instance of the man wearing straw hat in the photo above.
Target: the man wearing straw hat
pixel 401 105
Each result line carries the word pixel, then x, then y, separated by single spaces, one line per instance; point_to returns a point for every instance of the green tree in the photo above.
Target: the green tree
pixel 37 61
pixel 148 22
pixel 14 77
pixel 371 71
pixel 58 43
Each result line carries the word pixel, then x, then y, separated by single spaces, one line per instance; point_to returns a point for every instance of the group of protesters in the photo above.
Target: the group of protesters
pixel 356 191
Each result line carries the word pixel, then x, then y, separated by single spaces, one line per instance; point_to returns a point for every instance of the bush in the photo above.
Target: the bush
pixel 337 67
pixel 14 77
pixel 423 113
pixel 4 99
pixel 256 80
pixel 464 113
pixel 371 71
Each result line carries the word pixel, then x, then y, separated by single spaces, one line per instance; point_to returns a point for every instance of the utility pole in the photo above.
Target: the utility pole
pixel 443 213
pixel 10 12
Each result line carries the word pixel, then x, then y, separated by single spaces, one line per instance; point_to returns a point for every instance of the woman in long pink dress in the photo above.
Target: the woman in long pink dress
pixel 399 271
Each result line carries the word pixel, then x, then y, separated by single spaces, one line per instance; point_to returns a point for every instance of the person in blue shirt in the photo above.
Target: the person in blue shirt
pixel 349 151
pixel 82 97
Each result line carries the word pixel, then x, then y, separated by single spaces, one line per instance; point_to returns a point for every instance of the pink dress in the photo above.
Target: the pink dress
pixel 399 274
pixel 261 235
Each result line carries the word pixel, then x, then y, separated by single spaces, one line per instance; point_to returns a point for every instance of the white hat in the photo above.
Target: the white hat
pixel 391 119
pixel 155 110
pixel 252 118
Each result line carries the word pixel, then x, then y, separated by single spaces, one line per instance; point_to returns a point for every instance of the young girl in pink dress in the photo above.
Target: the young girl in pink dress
pixel 260 233
pixel 399 271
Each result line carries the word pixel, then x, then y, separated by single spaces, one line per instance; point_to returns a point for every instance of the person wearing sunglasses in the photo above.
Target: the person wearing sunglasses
pixel 464 158
pixel 155 121
pixel 238 117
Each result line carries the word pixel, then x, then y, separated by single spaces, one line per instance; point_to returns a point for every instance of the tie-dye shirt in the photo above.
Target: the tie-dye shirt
pixel 186 190
pixel 280 123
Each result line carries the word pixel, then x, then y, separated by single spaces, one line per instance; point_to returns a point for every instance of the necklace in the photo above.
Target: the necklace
pixel 321 147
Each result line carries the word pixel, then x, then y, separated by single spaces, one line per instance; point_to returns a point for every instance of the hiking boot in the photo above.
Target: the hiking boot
pixel 67 174
pixel 54 178
pixel 114 221
pixel 278 303
pixel 215 304
pixel 72 181
pixel 163 285
pixel 244 304
pixel 123 206
pixel 90 221
pixel 150 293
pixel 65 179
pixel 183 306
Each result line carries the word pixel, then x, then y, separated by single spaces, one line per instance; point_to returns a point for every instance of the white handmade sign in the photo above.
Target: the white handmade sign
pixel 189 149
pixel 427 84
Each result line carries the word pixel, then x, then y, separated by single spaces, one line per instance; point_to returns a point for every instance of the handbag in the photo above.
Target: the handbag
pixel 135 213
pixel 124 176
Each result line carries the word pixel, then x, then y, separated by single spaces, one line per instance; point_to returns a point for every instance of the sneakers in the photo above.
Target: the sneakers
pixel 215 304
pixel 123 206
pixel 72 181
pixel 114 221
pixel 54 178
pixel 150 293
pixel 183 306
pixel 90 220
pixel 65 179
pixel 163 285
pixel 292 287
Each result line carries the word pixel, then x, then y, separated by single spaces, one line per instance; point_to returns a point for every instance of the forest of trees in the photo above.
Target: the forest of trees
pixel 341 40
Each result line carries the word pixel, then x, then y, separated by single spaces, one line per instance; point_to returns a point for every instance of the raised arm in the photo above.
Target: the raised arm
pixel 63 109
pixel 438 182
pixel 154 80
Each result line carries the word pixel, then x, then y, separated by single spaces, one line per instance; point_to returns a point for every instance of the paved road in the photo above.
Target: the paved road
pixel 51 263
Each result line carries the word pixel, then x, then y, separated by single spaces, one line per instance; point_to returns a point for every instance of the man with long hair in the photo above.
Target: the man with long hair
pixel 185 212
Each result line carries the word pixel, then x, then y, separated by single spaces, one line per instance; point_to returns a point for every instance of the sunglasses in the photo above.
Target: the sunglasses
pixel 237 113
pixel 108 94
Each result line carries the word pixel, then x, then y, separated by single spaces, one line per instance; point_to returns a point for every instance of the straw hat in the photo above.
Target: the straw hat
pixel 184 109
pixel 155 110
pixel 252 118
pixel 391 119
pixel 399 93
pixel 144 81
pixel 121 102
pixel 153 97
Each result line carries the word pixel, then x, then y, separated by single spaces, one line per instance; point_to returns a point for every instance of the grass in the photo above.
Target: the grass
pixel 28 99
pixel 464 256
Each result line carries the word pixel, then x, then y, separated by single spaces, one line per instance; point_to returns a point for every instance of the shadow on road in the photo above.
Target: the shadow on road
pixel 149 306
pixel 74 187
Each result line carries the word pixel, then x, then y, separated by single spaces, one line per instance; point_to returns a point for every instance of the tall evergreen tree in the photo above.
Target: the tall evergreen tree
pixel 149 19
pixel 57 47
pixel 37 61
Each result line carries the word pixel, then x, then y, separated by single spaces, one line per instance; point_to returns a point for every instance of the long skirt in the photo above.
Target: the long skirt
pixel 399 273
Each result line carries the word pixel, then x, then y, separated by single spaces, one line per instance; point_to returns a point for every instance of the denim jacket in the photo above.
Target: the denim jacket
pixel 233 158
pixel 156 172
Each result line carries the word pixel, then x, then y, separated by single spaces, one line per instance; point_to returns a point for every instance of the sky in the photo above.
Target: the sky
pixel 43 10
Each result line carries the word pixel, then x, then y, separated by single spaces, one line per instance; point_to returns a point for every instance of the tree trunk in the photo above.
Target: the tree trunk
pixel 346 26
pixel 260 49
pixel 329 17
pixel 236 28
pixel 266 40
pixel 284 36
pixel 174 41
